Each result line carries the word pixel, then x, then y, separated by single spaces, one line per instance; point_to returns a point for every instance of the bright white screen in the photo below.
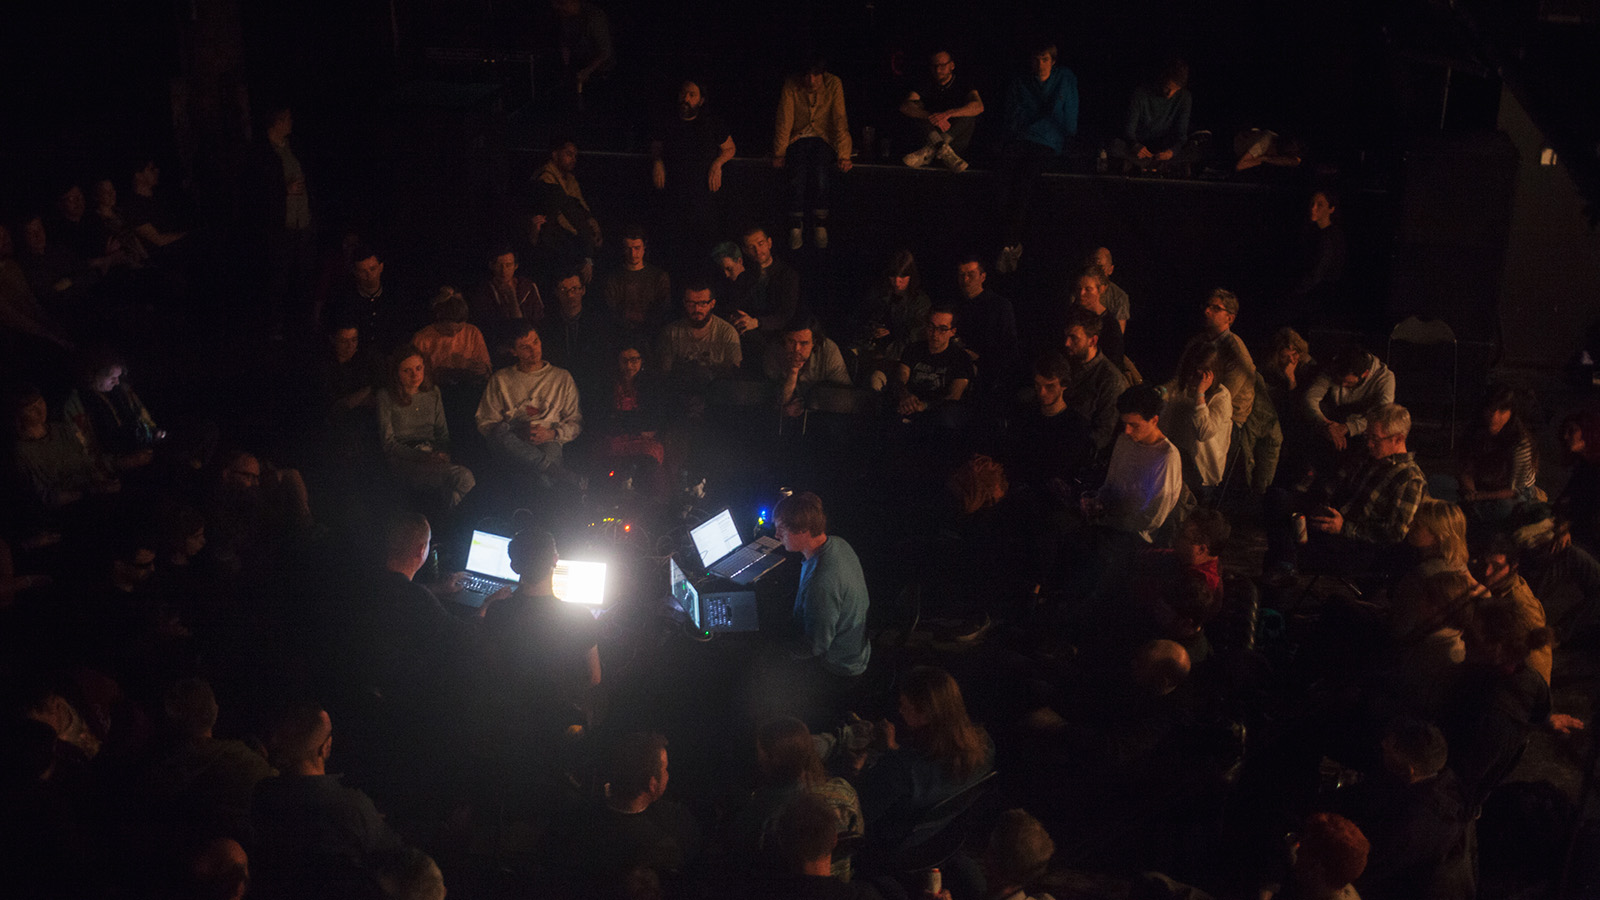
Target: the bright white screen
pixel 716 538
pixel 488 556
pixel 580 582
pixel 683 592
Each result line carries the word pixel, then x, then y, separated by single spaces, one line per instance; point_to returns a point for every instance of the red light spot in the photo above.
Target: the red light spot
pixel 627 528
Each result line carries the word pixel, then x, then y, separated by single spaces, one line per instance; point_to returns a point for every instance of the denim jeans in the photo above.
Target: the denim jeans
pixel 811 162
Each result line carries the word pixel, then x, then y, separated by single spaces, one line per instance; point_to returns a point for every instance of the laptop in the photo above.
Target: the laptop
pixel 579 582
pixel 488 568
pixel 725 555
pixel 713 613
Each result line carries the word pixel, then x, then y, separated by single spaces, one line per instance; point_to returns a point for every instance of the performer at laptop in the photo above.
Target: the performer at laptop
pixel 830 608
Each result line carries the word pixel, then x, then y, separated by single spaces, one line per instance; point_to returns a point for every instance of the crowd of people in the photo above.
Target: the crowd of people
pixel 187 617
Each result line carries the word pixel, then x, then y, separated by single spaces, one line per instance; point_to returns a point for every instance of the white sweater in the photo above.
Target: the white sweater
pixel 547 396
pixel 1201 432
pixel 1143 484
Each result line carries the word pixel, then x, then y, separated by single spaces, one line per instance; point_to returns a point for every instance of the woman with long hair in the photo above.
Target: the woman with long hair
pixel 938 753
pixel 1500 464
pixel 1198 419
pixel 891 317
pixel 413 431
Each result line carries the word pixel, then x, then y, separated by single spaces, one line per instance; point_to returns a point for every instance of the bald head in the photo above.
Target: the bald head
pixel 406 543
pixel 302 739
pixel 1160 666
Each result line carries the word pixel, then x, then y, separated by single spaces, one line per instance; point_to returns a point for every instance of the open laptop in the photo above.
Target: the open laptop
pixel 488 568
pixel 725 555
pixel 713 613
pixel 579 582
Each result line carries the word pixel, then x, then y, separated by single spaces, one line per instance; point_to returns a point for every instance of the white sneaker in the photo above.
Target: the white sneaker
pixel 819 237
pixel 916 159
pixel 948 156
pixel 796 239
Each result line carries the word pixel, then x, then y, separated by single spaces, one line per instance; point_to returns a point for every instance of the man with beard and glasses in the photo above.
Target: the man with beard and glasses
pixel 699 343
pixel 688 148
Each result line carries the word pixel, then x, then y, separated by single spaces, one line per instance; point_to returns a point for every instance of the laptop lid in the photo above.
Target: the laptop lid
pixel 488 555
pixel 684 592
pixel 715 538
pixel 576 581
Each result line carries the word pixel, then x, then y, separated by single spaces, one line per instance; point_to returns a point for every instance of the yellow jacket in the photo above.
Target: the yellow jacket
pixel 801 114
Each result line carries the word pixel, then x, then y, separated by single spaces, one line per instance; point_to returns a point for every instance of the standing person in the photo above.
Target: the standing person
pixel 811 137
pixel 946 109
pixel 688 149
pixel 1041 116
pixel 1321 263
pixel 830 606
pixel 283 215
pixel 415 436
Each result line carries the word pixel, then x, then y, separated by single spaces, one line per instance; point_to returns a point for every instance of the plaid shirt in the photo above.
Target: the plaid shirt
pixel 1384 496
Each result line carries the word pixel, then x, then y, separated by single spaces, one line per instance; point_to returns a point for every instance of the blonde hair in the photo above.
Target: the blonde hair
pixel 1447 523
pixel 978 483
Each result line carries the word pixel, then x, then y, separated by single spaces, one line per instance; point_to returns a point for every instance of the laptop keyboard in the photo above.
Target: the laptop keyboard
pixel 480 585
pixel 739 561
pixel 718 615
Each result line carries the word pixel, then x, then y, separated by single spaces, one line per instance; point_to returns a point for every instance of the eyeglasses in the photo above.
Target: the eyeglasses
pixel 1216 307
pixel 941 328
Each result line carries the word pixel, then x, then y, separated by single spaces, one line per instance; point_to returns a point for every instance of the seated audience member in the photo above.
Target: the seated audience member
pixel 803 357
pixel 413 432
pixel 765 295
pixel 700 346
pixel 934 374
pixel 1096 382
pixel 49 457
pixel 1198 418
pixel 577 337
pixel 629 422
pixel 788 768
pixel 1049 443
pixel 1180 590
pixel 1328 852
pixel 363 302
pixel 1499 573
pixel 811 137
pixel 946 109
pixel 312 834
pixel 572 230
pixel 890 318
pixel 347 375
pixel 505 296
pixel 1235 370
pixel 218 870
pixel 1499 464
pixel 113 422
pixel 583 37
pixel 1342 398
pixel 1563 575
pixel 1254 147
pixel 544 655
pixel 529 410
pixel 1155 131
pixel 250 507
pixel 1088 292
pixel 146 213
pixel 1430 608
pixel 939 753
pixel 1017 854
pixel 109 220
pixel 20 311
pixel 688 149
pixel 1412 812
pixel 1579 501
pixel 804 841
pixel 57 276
pixel 453 347
pixel 1041 117
pixel 633 826
pixel 1114 297
pixel 1358 531
pixel 197 783
pixel 988 329
pixel 74 228
pixel 1145 479
pixel 639 295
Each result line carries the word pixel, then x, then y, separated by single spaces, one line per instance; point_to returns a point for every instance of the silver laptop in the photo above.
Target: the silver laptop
pixel 724 553
pixel 717 612
pixel 488 568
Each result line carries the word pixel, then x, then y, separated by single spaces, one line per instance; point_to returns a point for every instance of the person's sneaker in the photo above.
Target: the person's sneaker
pixel 1008 259
pixel 950 159
pixel 819 237
pixel 916 159
pixel 796 238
